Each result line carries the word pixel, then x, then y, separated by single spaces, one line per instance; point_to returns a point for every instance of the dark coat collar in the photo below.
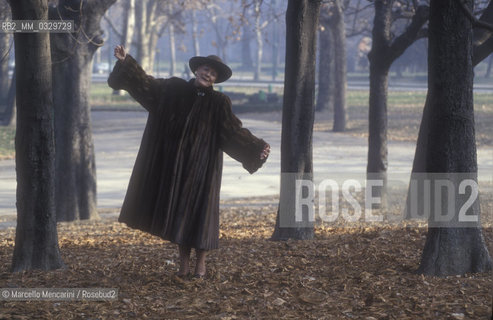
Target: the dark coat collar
pixel 200 90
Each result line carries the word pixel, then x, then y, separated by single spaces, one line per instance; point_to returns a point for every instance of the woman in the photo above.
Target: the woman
pixel 174 188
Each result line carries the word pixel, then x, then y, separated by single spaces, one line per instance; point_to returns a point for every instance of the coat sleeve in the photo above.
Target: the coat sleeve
pixel 238 142
pixel 128 75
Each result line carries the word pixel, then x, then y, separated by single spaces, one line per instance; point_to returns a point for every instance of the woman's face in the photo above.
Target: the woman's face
pixel 205 76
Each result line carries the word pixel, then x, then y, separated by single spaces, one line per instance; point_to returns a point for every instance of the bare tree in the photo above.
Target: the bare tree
pixel 298 113
pixel 72 56
pixel 338 29
pixel 258 27
pixel 36 239
pixel 256 16
pixel 147 24
pixel 386 48
pixel 246 48
pixel 195 33
pixel 225 27
pixel 451 146
pixel 326 62
pixel 153 18
pixel 175 26
pixel 128 24
pixel 332 73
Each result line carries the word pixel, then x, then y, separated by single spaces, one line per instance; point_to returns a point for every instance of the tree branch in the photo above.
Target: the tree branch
pixel 476 23
pixel 112 26
pixel 401 43
pixel 101 5
pixel 482 51
pixel 481 35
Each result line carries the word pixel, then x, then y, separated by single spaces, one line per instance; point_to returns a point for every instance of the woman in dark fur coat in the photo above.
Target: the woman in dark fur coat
pixel 173 192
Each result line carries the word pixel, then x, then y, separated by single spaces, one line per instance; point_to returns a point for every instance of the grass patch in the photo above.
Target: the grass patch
pixel 7 146
pixel 405 110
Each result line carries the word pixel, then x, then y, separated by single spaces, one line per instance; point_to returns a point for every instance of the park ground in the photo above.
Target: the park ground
pixel 360 271
pixel 356 272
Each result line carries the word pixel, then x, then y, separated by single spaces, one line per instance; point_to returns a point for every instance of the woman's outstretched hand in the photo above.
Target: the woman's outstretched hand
pixel 120 53
pixel 265 152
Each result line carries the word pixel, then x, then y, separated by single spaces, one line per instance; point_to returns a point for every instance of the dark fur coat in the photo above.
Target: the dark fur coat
pixel 174 188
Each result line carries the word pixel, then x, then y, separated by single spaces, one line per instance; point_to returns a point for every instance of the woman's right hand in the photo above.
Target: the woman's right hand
pixel 120 53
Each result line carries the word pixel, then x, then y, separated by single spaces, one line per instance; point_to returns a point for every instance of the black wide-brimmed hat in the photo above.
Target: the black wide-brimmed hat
pixel 223 71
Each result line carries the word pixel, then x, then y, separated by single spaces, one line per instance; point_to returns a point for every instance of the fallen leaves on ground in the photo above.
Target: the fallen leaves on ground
pixel 344 273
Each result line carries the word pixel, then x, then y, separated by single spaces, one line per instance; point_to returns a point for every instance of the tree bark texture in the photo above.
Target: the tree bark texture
pixel 338 29
pixel 298 109
pixel 482 48
pixel 451 146
pixel 377 114
pixel 72 56
pixel 36 239
pixel 385 50
pixel 325 97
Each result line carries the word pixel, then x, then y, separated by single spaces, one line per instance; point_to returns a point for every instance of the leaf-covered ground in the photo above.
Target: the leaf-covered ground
pixel 360 272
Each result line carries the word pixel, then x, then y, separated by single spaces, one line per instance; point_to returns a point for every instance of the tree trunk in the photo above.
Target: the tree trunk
pixel 377 113
pixel 452 147
pixel 297 116
pixel 221 44
pixel 246 52
pixel 36 239
pixel 258 56
pixel 385 50
pixel 275 47
pixel 152 45
pixel 340 65
pixel 195 34
pixel 128 25
pixel 482 47
pixel 325 97
pixel 172 50
pixel 75 159
pixel 259 41
pixel 377 139
pixel 142 25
